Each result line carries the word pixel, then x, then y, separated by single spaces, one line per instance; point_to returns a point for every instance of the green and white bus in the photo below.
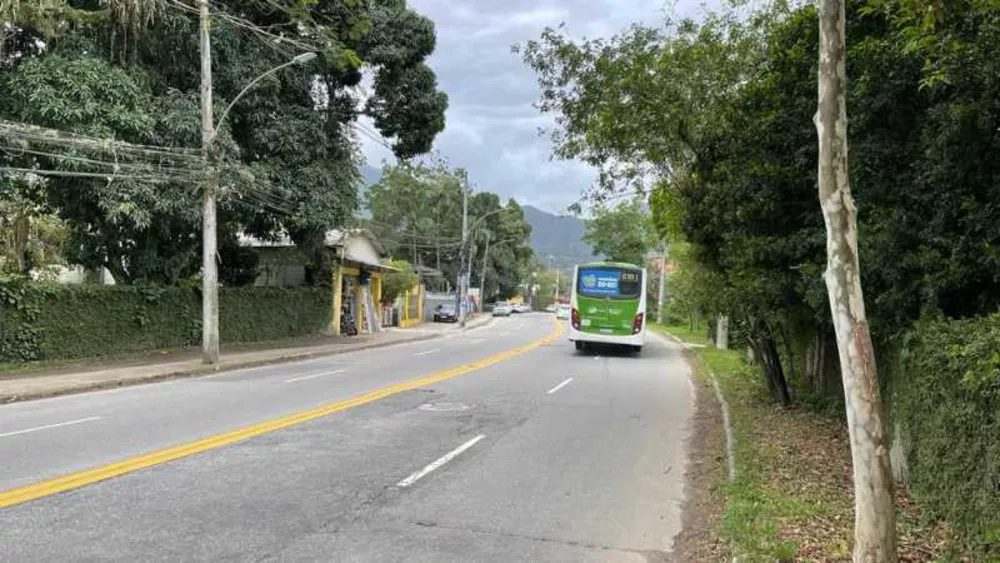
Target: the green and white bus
pixel 608 301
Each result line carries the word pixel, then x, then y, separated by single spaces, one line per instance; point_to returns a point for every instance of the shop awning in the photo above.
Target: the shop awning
pixel 368 264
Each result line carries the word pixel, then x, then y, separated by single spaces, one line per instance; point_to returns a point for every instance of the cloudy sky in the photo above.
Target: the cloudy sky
pixel 492 128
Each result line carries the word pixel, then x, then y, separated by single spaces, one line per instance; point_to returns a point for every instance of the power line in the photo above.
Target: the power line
pixel 36 134
pixel 116 165
pixel 271 39
pixel 371 135
pixel 77 174
pixel 125 161
pixel 412 233
pixel 317 23
pixel 404 239
pixel 249 187
pixel 423 239
pixel 267 199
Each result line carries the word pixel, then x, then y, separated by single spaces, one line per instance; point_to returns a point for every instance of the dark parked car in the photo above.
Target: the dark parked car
pixel 445 313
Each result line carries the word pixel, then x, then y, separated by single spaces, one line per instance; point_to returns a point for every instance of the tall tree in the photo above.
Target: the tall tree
pixel 510 253
pixel 622 233
pixel 289 155
pixel 139 230
pixel 417 209
pixel 874 512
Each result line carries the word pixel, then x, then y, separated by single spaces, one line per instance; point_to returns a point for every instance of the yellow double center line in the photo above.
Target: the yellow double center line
pixel 83 478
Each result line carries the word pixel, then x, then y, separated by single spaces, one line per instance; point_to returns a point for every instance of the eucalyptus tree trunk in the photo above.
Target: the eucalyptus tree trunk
pixel 874 519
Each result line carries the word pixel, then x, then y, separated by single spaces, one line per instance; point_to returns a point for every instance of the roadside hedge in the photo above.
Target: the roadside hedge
pixel 947 398
pixel 53 322
pixel 252 314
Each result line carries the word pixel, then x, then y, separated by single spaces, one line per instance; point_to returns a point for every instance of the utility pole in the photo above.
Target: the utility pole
pixel 482 275
pixel 557 285
pixel 210 273
pixel 663 283
pixel 468 270
pixel 461 268
pixel 552 264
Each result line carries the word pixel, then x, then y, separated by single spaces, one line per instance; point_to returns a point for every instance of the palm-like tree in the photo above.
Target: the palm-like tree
pixel 49 15
pixel 134 15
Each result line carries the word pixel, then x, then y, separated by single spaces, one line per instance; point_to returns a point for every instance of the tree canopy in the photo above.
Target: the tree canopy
pixel 129 71
pixel 622 233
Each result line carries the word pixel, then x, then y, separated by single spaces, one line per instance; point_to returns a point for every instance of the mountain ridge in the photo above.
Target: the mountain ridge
pixel 557 239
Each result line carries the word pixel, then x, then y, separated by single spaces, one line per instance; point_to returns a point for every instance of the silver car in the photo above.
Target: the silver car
pixel 501 309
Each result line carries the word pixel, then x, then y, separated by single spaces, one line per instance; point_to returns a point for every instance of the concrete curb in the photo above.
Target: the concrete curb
pixel 730 456
pixel 488 320
pixel 457 329
pixel 724 406
pixel 201 371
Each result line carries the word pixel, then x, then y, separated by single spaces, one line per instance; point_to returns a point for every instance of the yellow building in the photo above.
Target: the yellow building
pixel 357 282
pixel 412 311
pixel 356 271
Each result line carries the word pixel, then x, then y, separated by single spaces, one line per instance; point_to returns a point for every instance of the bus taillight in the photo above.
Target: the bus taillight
pixel 637 324
pixel 575 318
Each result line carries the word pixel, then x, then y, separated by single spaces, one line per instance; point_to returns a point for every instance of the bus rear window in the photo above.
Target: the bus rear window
pixel 609 282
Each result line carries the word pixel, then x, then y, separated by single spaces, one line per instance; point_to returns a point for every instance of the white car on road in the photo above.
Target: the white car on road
pixel 563 312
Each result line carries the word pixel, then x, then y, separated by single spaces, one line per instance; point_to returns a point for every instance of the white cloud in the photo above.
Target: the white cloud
pixel 492 128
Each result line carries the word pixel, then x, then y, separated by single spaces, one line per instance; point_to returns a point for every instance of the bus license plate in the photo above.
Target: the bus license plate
pixel 606 330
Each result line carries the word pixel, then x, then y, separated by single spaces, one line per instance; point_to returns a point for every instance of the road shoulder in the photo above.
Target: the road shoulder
pixel 702 510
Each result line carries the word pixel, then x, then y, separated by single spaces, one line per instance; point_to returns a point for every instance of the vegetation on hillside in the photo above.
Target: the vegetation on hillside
pixel 558 239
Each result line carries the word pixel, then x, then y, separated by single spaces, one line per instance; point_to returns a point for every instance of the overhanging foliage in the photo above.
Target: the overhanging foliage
pixel 129 71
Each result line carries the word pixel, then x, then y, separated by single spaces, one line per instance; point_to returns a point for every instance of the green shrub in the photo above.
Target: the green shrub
pixel 251 314
pixel 54 322
pixel 19 338
pixel 95 320
pixel 395 283
pixel 947 398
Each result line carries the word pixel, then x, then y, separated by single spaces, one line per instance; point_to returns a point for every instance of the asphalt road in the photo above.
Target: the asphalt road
pixel 543 454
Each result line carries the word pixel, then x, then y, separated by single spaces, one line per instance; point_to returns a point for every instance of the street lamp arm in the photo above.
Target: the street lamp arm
pixel 299 59
pixel 478 220
pixel 490 214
